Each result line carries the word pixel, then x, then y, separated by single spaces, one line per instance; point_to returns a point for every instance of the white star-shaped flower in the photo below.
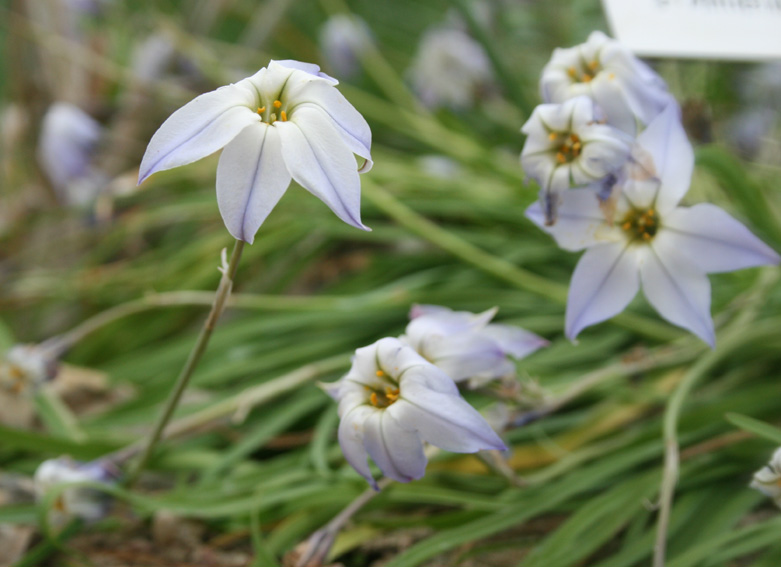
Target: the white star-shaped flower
pixel 768 479
pixel 78 501
pixel 569 145
pixel 391 401
pixel 627 89
pixel 285 122
pixel 651 240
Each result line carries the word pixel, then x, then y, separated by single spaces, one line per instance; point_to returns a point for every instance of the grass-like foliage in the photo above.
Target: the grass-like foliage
pixel 637 419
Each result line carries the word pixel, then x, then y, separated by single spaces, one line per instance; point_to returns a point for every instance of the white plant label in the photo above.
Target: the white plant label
pixel 713 29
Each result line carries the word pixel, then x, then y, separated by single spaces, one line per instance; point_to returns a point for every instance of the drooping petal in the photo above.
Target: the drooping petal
pixel 666 143
pixel 251 179
pixel 443 419
pixel 581 223
pixel 467 354
pixel 351 440
pixel 397 451
pixel 321 162
pixel 677 289
pixel 515 341
pixel 714 241
pixel 351 126
pixel 604 282
pixel 200 128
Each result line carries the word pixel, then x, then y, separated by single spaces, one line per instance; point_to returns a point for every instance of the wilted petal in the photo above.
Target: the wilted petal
pixel 581 223
pixel 351 440
pixel 515 341
pixel 604 282
pixel 251 179
pixel 665 141
pixel 676 288
pixel 714 241
pixel 321 162
pixel 397 451
pixel 199 128
pixel 444 420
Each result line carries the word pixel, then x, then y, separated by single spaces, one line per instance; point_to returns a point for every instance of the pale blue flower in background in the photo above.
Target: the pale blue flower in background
pixel 628 90
pixel 25 368
pixel 650 239
pixel 79 501
pixel 567 145
pixel 768 479
pixel 466 345
pixel 450 69
pixel 391 401
pixel 66 146
pixel 342 39
pixel 285 122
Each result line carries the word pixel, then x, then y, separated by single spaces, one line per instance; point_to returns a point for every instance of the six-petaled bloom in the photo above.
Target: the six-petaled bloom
pixel 650 239
pixel 630 92
pixel 569 145
pixel 78 501
pixel 286 121
pixel 768 479
pixel 465 345
pixel 391 401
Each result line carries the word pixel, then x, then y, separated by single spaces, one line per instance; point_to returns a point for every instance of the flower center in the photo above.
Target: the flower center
pixel 567 146
pixel 272 112
pixel 382 397
pixel 15 378
pixel 641 224
pixel 584 74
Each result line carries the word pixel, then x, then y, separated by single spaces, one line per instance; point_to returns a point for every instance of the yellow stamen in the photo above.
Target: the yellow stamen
pixel 277 104
pixel 576 147
pixel 627 225
pixel 586 78
pixel 593 65
pixel 560 158
pixel 380 373
pixel 373 399
pixel 552 136
pixel 571 72
pixel 261 109
pixel 391 393
pixel 283 116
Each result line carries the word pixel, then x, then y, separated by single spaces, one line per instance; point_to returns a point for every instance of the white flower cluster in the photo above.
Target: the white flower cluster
pixel 403 391
pixel 613 161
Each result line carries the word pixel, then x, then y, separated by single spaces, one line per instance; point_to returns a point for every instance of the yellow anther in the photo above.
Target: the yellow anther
pixel 380 373
pixel 392 394
pixel 277 104
pixel 586 78
pixel 574 138
pixel 552 136
pixel 572 72
pixel 560 158
pixel 627 225
pixel 650 212
pixel 593 65
pixel 373 399
pixel 261 109
pixel 576 147
pixel 646 236
pixel 283 116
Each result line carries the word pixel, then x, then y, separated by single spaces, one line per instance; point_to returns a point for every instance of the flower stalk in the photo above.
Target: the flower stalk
pixel 221 296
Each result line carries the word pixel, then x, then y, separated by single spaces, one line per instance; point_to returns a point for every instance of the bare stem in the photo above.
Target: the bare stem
pixel 220 298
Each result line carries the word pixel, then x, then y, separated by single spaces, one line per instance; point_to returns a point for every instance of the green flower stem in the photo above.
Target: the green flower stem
pixel 494 265
pixel 220 299
pixel 239 405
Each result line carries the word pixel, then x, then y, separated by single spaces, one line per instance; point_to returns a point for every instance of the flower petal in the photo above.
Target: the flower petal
pixel 251 179
pixel 604 282
pixel 351 126
pixel 676 288
pixel 397 451
pixel 200 127
pixel 351 439
pixel 664 141
pixel 321 162
pixel 716 242
pixel 310 68
pixel 443 419
pixel 515 341
pixel 581 223
pixel 467 354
